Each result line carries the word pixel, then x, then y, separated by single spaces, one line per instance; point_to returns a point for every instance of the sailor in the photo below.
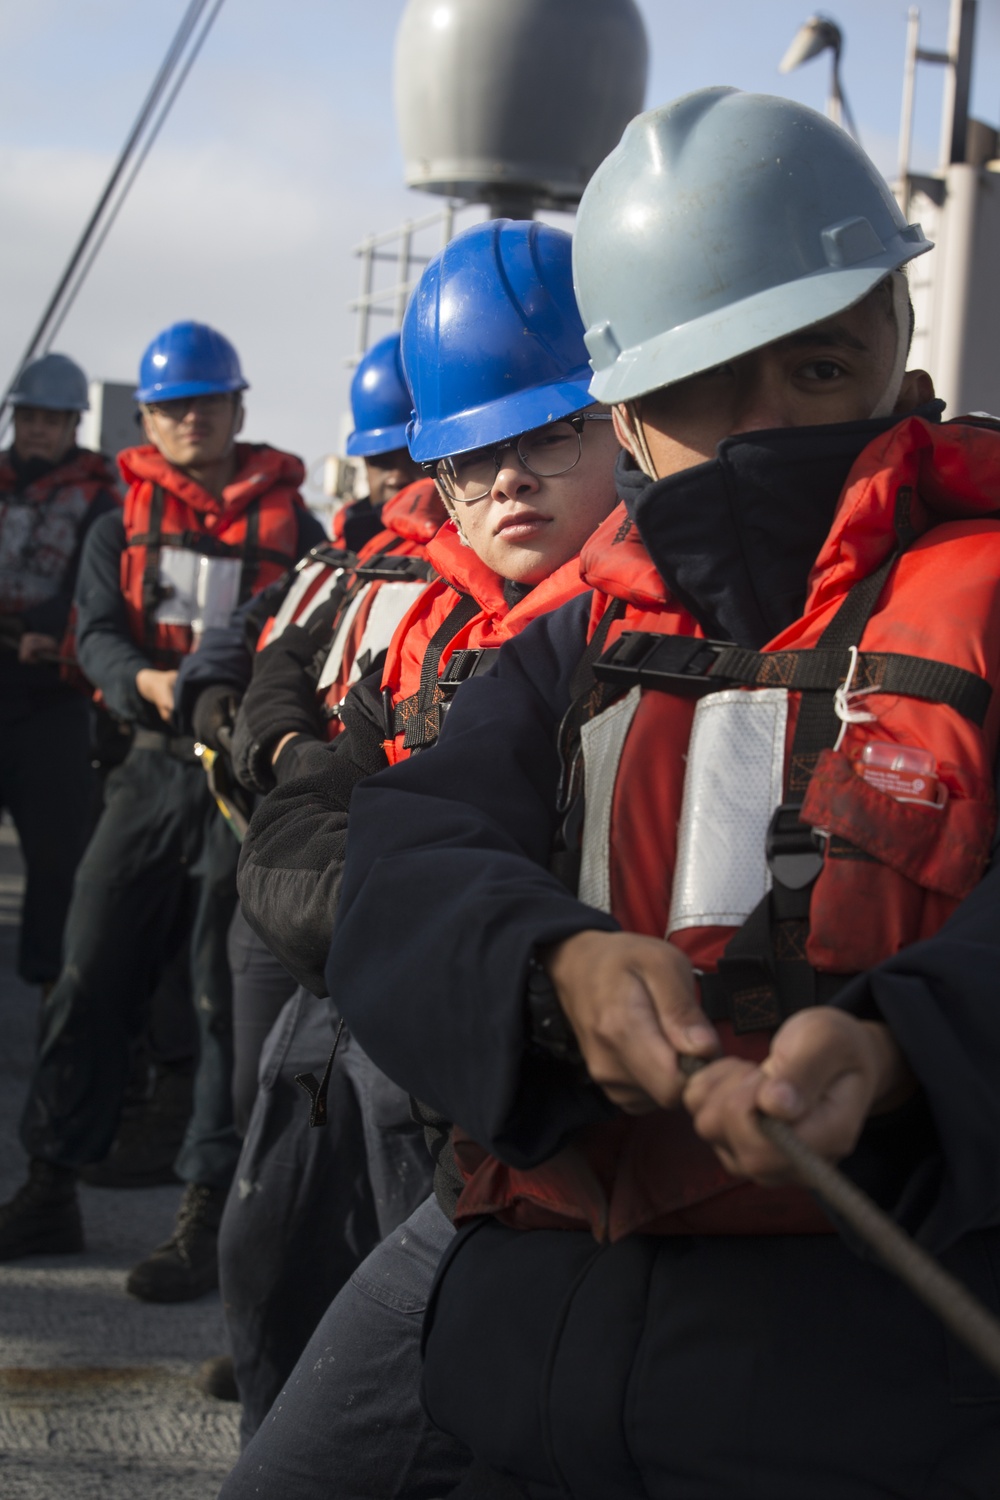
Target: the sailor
pixel 523 459
pixel 51 492
pixel 380 406
pixel 207 522
pixel 769 736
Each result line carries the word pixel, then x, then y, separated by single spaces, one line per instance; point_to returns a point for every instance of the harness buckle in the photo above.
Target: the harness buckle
pixel 679 664
pixel 464 664
pixel 794 850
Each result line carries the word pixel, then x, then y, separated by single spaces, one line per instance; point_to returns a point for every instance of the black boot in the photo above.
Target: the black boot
pixel 43 1217
pixel 187 1266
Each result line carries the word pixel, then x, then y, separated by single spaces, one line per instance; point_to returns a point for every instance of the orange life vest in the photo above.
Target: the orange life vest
pixel 914 541
pixel 454 629
pixel 40 525
pixel 255 521
pixel 390 571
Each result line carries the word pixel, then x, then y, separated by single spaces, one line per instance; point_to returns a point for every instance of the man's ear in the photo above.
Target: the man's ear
pixel 147 426
pixel 623 429
pixel 239 418
pixel 917 389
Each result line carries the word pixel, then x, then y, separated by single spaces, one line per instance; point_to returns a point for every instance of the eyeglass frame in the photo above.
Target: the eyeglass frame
pixel 576 421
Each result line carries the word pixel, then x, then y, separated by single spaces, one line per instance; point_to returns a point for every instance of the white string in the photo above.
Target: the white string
pixel 842 700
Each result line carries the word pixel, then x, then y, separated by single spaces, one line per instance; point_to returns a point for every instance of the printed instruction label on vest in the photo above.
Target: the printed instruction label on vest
pixel 200 592
pixel 732 785
pixel 904 772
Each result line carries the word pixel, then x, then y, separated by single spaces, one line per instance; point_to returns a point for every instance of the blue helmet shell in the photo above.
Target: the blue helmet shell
pixel 188 359
pixel 380 401
pixel 492 340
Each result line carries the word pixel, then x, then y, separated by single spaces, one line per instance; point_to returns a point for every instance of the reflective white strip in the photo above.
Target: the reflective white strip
pixel 292 599
pixel 321 595
pixel 332 665
pixel 733 783
pixel 388 608
pixel 602 741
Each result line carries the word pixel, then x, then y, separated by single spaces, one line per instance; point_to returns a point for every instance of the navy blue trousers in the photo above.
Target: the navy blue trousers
pixel 48 787
pixel 161 863
pixel 777 1368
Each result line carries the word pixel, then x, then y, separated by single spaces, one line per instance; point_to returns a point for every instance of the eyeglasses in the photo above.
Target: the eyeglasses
pixel 177 410
pixel 545 452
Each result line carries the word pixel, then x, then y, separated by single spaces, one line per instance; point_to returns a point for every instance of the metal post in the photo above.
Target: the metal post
pixel 367 253
pixel 957 82
pixel 403 271
pixel 906 116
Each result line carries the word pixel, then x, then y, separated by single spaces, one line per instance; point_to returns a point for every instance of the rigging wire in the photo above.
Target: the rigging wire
pixel 161 81
pixel 116 208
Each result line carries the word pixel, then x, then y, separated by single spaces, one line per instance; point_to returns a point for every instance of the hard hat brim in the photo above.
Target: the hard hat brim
pixel 376 440
pixel 47 404
pixel 755 321
pixel 497 420
pixel 176 390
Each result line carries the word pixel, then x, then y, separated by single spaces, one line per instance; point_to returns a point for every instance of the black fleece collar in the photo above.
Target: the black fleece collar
pixel 734 539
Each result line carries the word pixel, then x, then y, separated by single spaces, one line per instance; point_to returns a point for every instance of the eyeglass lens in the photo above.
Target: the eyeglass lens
pixel 546 451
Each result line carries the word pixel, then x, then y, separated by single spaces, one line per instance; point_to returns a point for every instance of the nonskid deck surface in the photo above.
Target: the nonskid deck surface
pixel 96 1396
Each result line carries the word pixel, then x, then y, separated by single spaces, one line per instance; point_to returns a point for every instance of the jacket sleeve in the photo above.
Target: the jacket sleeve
pixel 106 650
pixel 446 893
pixel 292 858
pixel 939 1000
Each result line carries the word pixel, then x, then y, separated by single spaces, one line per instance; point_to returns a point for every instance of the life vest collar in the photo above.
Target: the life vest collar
pixel 913 477
pixel 81 467
pixel 259 468
pixel 615 561
pixel 416 513
pixel 458 565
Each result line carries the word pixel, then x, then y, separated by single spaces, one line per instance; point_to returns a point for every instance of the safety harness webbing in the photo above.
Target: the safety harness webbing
pixel 419 716
pixel 764 975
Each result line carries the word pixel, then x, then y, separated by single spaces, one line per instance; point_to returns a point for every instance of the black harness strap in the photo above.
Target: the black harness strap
pixel 251 551
pixel 419 716
pixel 152 592
pixel 764 975
pixel 690 666
pixel 383 569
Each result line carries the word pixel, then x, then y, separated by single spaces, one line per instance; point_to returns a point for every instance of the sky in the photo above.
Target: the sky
pixel 281 154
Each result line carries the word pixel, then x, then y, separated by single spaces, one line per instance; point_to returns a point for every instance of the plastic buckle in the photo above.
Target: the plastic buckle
pixel 672 663
pixel 794 849
pixel 461 666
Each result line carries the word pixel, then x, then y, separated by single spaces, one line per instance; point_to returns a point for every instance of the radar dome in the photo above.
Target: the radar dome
pixel 515 102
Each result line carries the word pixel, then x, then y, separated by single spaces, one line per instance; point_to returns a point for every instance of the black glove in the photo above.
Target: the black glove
pixel 214 709
pixel 280 700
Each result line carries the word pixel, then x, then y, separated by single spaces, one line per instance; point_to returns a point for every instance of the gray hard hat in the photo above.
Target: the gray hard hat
pixel 54 382
pixel 721 222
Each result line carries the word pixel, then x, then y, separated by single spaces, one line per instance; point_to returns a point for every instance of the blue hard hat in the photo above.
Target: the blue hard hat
pixel 188 359
pixel 380 401
pixel 492 339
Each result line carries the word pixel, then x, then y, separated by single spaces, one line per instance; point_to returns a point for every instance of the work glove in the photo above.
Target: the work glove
pixel 214 710
pixel 280 700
